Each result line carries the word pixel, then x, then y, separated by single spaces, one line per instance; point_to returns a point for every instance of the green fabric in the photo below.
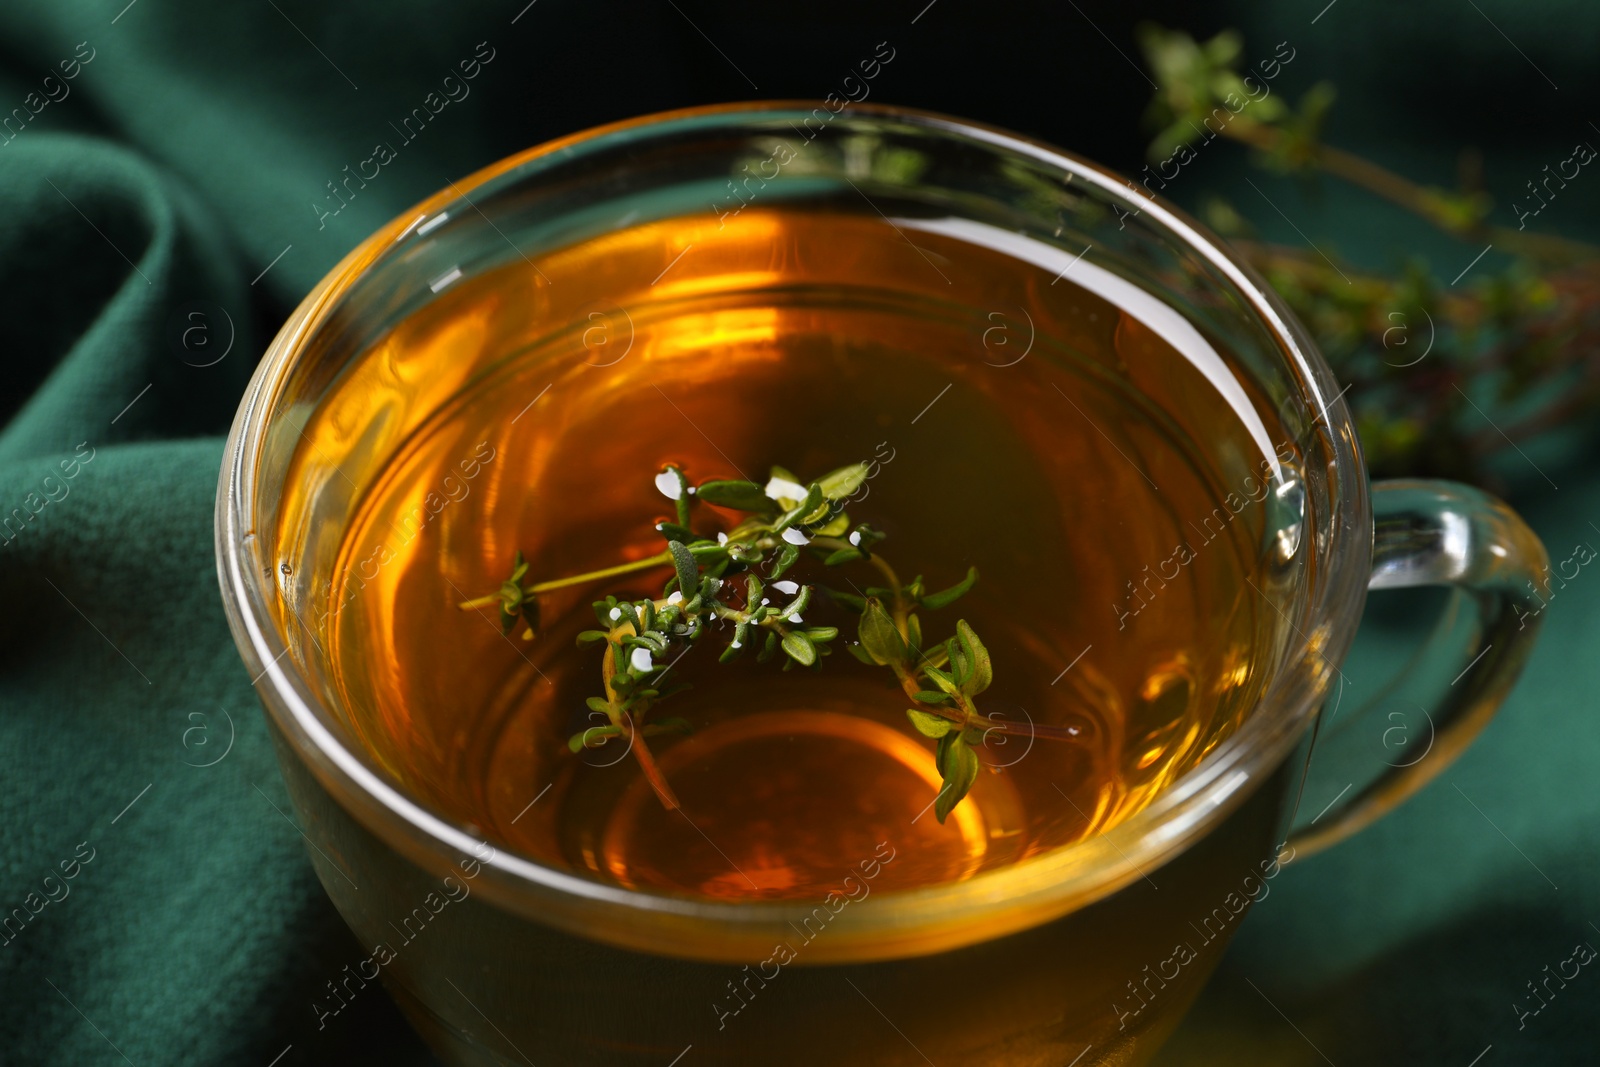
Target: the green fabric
pixel 184 160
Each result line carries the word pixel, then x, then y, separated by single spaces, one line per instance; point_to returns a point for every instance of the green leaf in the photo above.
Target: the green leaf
pixel 843 555
pixel 914 636
pixel 819 514
pixel 960 771
pixel 839 484
pixel 799 648
pixel 530 611
pixel 654 642
pixel 864 537
pixel 673 532
pixel 803 510
pixel 836 526
pixel 799 604
pixel 590 637
pixel 941 679
pixel 742 552
pixel 769 647
pixel 879 635
pixel 928 725
pixel 708 553
pixel 603 609
pixel 737 494
pixel 980 671
pixel 681 499
pixel 946 597
pixel 577 742
pixel 855 603
pixel 928 696
pixel 741 638
pixel 820 634
pixel 598 704
pixel 960 665
pixel 786 559
pixel 688 570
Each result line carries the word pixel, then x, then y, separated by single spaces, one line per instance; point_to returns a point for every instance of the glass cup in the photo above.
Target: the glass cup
pixel 1071 956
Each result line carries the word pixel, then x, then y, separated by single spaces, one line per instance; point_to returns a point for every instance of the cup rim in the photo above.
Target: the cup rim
pixel 887 925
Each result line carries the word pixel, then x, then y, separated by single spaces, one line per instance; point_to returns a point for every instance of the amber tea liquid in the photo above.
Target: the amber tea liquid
pixel 1015 420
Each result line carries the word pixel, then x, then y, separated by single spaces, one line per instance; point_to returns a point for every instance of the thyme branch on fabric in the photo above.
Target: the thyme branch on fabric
pixel 1183 154
pixel 384 152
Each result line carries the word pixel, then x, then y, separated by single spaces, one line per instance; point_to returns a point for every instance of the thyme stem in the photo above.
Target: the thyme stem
pixel 660 559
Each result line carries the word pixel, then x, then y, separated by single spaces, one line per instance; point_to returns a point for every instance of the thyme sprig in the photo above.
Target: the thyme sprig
pixel 1518 348
pixel 731 579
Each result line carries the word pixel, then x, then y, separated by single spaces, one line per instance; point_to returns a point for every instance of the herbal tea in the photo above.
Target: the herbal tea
pixel 952 549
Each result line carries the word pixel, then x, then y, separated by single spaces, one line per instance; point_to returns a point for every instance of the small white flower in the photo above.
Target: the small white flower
pixel 675 597
pixel 795 537
pixel 670 484
pixel 784 489
pixel 736 644
pixel 855 537
pixel 722 538
pixel 786 586
pixel 765 601
pixel 796 619
pixel 640 660
pixel 616 613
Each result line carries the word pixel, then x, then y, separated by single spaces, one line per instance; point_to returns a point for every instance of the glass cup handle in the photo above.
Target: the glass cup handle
pixel 1447 534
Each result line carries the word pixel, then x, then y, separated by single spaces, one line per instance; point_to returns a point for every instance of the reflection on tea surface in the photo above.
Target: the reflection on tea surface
pixel 1050 435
